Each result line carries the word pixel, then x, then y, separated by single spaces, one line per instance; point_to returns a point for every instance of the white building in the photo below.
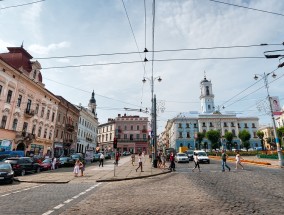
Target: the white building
pixel 182 130
pixel 87 127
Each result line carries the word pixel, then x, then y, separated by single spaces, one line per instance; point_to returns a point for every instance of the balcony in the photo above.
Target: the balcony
pixel 89 139
pixel 131 140
pixel 29 113
pixel 70 127
pixel 25 136
pixel 144 130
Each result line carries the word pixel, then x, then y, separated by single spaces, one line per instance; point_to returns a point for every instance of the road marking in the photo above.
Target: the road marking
pixel 19 191
pixel 48 212
pixel 59 206
pixel 82 193
pixel 67 201
pixel 7 194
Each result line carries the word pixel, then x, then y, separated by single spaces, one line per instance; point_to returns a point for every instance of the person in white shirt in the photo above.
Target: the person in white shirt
pixel 53 163
pixel 238 160
pixel 102 157
pixel 140 162
pixel 196 161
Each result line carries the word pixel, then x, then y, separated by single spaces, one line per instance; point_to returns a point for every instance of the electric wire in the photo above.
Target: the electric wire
pixel 20 5
pixel 157 51
pixel 259 10
pixel 157 60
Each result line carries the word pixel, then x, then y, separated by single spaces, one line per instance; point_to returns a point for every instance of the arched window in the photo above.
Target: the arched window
pixel 207 91
pixel 181 145
pixel 15 122
pixel 39 132
pixel 234 132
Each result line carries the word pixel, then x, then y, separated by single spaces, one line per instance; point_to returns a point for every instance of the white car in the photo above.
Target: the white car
pixel 202 156
pixel 181 157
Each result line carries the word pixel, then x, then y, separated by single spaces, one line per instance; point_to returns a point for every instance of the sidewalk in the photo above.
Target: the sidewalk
pixel 94 173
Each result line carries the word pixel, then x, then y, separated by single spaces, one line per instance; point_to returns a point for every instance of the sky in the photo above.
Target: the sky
pixel 120 29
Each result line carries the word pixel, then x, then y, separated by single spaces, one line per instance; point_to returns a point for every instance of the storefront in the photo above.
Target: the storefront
pixel 58 150
pixel 36 150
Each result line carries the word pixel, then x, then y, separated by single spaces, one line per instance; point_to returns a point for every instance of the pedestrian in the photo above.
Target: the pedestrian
pixel 102 157
pixel 196 162
pixel 224 157
pixel 53 163
pixel 238 160
pixel 163 159
pixel 116 158
pixel 132 158
pixel 82 166
pixel 172 160
pixel 140 162
pixel 77 167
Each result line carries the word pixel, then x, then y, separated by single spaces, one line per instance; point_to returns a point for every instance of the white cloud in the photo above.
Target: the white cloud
pixel 45 50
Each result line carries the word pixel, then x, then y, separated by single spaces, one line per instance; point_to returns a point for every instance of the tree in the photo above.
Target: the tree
pixel 214 137
pixel 244 135
pixel 260 135
pixel 280 132
pixel 229 137
pixel 199 139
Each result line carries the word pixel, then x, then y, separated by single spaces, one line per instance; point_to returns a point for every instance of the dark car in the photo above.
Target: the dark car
pixel 23 165
pixel 66 161
pixel 4 157
pixel 189 154
pixel 6 173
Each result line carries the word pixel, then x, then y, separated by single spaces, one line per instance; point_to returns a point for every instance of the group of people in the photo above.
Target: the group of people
pixel 224 158
pixel 79 167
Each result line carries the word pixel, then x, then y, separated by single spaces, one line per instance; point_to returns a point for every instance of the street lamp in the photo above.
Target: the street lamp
pixel 264 76
pixel 153 114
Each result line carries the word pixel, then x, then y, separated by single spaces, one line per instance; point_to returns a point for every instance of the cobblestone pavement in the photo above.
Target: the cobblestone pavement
pixel 255 190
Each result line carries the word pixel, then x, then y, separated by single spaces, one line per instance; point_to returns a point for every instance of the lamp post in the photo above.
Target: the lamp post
pixel 264 76
pixel 153 114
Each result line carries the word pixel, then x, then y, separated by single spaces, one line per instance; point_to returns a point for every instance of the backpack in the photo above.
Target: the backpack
pixel 224 156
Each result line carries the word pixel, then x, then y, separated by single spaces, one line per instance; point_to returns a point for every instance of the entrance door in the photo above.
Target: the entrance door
pixel 21 147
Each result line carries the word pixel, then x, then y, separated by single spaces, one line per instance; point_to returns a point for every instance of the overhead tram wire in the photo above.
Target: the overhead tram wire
pixel 157 60
pixel 249 8
pixel 20 5
pixel 158 51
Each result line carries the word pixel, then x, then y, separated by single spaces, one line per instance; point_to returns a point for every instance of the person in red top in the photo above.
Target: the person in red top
pixel 172 165
pixel 116 158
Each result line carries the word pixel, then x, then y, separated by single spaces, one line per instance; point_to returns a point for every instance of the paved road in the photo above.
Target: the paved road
pixel 255 190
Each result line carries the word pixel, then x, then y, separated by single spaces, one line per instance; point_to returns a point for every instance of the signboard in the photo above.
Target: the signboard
pixel 5 145
pixel 276 108
pixel 89 155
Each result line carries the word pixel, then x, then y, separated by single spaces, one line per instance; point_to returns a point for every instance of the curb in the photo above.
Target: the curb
pixel 42 182
pixel 132 178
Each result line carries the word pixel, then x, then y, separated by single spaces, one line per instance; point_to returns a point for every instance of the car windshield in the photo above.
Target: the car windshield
pixel 11 161
pixel 181 154
pixel 4 166
pixel 46 161
pixel 202 154
pixel 75 156
pixel 190 152
pixel 63 159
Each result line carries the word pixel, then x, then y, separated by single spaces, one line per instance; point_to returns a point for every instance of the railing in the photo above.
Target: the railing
pixel 132 140
pixel 70 127
pixel 29 113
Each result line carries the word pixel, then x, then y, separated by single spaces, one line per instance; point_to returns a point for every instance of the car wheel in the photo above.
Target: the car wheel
pixel 11 181
pixel 23 172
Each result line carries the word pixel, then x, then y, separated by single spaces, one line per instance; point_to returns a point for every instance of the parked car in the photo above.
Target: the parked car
pixel 46 164
pixel 4 157
pixel 202 156
pixel 23 165
pixel 96 157
pixel 77 156
pixel 6 172
pixel 126 153
pixel 189 154
pixel 66 161
pixel 181 157
pixel 107 155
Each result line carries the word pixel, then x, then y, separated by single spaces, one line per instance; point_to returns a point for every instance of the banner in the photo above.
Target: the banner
pixel 276 108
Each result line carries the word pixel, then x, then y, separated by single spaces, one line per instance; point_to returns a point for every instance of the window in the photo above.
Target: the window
pixel 246 125
pixel 137 136
pixel 39 132
pixel 110 136
pixel 45 133
pixel 180 135
pixel 33 129
pixel 56 135
pixel 234 132
pixel 187 134
pixel 211 125
pixel 232 124
pixel 29 104
pixel 187 125
pixel 239 125
pixel 15 122
pixel 207 90
pixel 25 126
pixel 50 134
pixel 225 124
pixel 42 112
pixel 195 125
pixel 179 125
pixel 131 127
pixel 209 107
pixel 203 124
pixel 19 101
pixel 125 136
pixel 37 108
pixel 1 89
pixel 137 128
pixel 52 118
pixel 144 137
pixel 253 125
pixel 47 115
pixel 9 96
pixel 125 127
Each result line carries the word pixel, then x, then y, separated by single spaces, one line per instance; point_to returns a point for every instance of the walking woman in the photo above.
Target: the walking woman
pixel 238 160
pixel 196 161
pixel 140 162
pixel 77 168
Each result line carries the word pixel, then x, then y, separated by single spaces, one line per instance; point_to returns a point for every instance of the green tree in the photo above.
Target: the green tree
pixel 280 132
pixel 214 137
pixel 260 135
pixel 244 135
pixel 199 139
pixel 229 137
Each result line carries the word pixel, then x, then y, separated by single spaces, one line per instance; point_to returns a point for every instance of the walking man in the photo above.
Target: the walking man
pixel 224 157
pixel 196 161
pixel 140 162
pixel 102 157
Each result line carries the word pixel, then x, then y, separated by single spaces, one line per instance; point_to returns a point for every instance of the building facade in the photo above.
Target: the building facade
pixel 66 128
pixel 87 127
pixel 28 109
pixel 106 134
pixel 182 130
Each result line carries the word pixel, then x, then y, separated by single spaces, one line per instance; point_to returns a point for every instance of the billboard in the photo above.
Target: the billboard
pixel 276 108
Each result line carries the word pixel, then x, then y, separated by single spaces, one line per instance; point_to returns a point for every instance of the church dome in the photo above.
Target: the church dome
pixel 204 80
pixel 93 100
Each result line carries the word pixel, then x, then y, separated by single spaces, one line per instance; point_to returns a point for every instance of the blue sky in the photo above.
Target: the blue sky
pixel 71 27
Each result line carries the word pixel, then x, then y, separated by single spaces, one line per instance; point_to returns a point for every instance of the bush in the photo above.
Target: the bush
pixel 273 156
